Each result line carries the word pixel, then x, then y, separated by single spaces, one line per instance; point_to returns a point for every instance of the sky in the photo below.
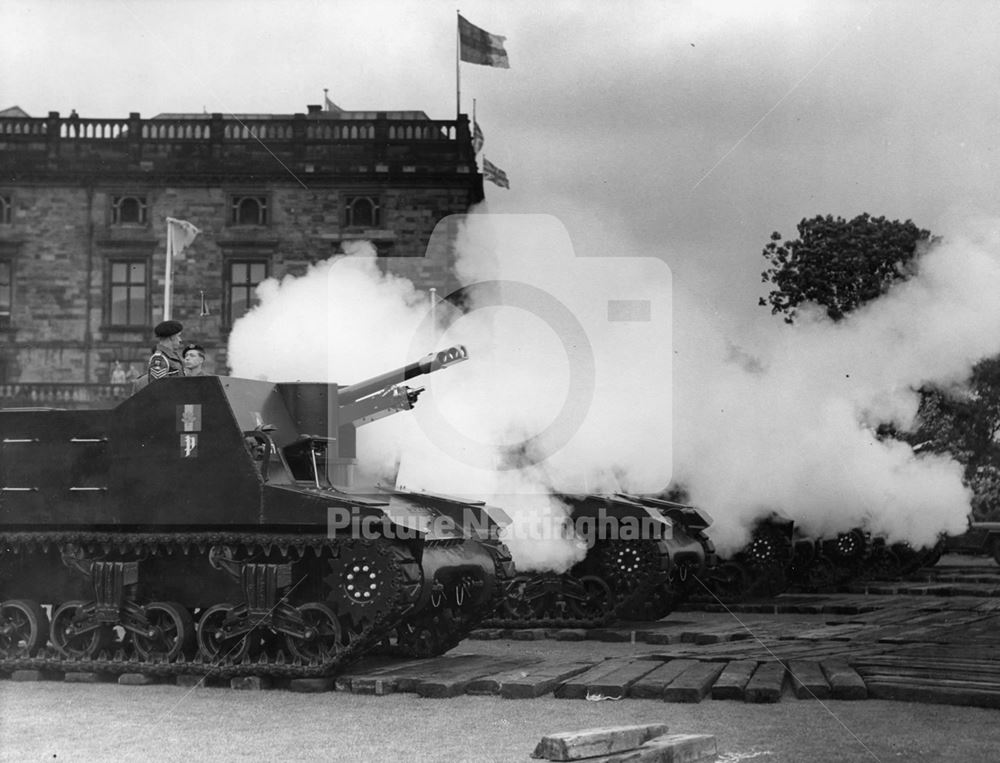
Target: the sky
pixel 683 131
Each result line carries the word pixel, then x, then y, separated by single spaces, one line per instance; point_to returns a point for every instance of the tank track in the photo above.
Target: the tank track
pixel 602 589
pixel 396 566
pixel 441 628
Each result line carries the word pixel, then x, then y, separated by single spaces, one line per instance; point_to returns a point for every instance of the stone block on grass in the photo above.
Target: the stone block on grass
pixel 574 745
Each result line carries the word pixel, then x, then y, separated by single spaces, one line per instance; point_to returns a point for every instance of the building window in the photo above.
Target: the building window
pixel 249 210
pixel 362 212
pixel 6 291
pixel 128 210
pixel 128 287
pixel 242 277
pixel 6 207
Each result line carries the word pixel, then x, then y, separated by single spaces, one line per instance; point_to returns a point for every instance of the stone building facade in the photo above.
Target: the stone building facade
pixel 84 202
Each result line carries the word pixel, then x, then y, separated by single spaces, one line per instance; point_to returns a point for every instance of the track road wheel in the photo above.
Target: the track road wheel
pixel 590 598
pixel 320 641
pixel 24 627
pixel 362 582
pixel 170 635
pixel 885 564
pixel 515 604
pixel 71 634
pixel 215 639
pixel 730 581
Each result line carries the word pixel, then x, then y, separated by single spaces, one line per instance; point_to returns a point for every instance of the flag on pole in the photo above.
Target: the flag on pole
pixel 180 234
pixel 477 46
pixel 477 137
pixel 330 105
pixel 494 174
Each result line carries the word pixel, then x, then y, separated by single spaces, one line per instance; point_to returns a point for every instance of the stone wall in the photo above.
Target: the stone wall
pixel 61 238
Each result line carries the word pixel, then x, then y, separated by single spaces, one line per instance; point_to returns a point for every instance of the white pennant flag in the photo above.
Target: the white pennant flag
pixel 180 234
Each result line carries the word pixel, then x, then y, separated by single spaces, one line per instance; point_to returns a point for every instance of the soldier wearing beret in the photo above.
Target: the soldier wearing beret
pixel 193 356
pixel 166 358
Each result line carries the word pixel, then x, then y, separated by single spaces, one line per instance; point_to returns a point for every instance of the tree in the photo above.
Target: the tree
pixel 966 425
pixel 839 264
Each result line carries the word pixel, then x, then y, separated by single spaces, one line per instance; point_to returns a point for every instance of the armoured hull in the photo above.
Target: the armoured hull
pixel 643 560
pixel 196 527
pixel 779 558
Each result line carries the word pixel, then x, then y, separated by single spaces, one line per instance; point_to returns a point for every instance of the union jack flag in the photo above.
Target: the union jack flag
pixel 494 174
pixel 477 138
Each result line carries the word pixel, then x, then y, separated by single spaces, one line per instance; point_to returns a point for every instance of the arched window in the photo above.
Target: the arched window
pixel 362 212
pixel 249 210
pixel 6 213
pixel 128 210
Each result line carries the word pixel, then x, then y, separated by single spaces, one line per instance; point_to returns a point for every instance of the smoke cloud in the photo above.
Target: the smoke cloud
pixel 573 364
pixel 787 424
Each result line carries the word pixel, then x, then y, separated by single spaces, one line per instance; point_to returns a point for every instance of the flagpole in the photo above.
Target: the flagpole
pixel 167 281
pixel 458 76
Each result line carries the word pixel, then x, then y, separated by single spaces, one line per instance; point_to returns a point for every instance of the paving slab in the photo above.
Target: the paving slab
pixel 651 685
pixel 767 683
pixel 606 673
pixel 694 683
pixel 845 682
pixel 808 680
pixel 732 682
pixel 455 680
pixel 542 680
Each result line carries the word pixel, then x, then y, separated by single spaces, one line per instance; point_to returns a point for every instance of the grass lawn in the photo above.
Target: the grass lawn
pixel 85 722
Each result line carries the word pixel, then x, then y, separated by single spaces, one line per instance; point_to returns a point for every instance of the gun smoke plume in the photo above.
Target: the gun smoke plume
pixel 783 423
pixel 787 425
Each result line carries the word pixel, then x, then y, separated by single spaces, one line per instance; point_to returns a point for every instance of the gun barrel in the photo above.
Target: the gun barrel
pixel 431 362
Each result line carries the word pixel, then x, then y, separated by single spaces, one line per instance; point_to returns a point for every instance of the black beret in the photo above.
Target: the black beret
pixel 195 347
pixel 168 328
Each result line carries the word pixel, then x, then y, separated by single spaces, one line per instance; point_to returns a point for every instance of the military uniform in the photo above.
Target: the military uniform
pixel 164 362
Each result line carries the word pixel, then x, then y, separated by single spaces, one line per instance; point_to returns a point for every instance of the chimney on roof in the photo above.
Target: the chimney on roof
pixel 315 108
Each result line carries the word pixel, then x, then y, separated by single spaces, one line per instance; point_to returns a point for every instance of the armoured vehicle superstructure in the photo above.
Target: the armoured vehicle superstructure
pixel 208 523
